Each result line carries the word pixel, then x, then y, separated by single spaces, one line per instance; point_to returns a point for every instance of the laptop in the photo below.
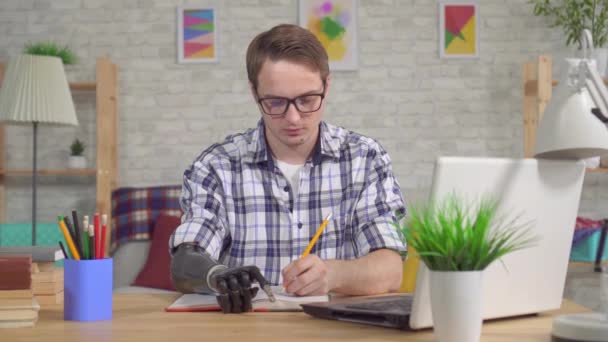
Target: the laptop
pixel 544 192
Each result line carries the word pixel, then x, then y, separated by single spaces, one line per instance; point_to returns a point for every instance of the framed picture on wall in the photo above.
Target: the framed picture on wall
pixel 197 34
pixel 458 29
pixel 334 23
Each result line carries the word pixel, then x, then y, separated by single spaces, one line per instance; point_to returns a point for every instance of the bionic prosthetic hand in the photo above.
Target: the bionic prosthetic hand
pixel 194 271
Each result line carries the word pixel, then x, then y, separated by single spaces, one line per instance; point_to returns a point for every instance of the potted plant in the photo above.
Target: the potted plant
pixel 456 241
pixel 77 159
pixel 573 16
pixel 64 53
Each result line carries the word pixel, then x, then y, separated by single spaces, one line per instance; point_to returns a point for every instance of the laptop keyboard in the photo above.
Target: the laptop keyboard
pixel 390 303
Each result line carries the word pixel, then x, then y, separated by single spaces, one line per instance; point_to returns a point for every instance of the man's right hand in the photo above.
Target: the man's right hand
pixel 235 287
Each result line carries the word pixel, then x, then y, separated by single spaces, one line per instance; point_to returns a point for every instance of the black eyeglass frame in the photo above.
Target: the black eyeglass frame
pixel 291 101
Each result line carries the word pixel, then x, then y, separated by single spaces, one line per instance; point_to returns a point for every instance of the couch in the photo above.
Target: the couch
pixel 135 212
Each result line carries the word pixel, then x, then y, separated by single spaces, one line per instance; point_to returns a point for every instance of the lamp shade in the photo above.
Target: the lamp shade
pixel 35 89
pixel 568 129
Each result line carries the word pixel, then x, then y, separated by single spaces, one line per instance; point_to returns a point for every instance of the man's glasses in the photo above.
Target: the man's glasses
pixel 276 106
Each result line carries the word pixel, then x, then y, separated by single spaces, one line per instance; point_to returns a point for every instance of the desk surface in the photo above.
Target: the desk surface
pixel 140 317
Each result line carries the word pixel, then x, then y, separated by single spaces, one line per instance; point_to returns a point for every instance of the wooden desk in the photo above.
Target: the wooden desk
pixel 141 318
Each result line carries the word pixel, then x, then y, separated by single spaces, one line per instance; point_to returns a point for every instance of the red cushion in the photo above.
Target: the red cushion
pixel 156 272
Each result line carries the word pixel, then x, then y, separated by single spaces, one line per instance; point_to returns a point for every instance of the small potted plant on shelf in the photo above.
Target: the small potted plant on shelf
pixel 456 241
pixel 77 159
pixel 64 53
pixel 574 16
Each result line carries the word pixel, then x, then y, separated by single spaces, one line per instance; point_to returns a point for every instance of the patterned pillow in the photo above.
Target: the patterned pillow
pixel 135 210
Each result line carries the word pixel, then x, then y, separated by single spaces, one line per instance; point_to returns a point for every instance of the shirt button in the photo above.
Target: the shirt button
pixel 286 188
pixel 300 225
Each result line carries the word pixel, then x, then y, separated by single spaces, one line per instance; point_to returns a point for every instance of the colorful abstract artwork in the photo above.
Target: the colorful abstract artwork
pixel 197 35
pixel 334 23
pixel 458 29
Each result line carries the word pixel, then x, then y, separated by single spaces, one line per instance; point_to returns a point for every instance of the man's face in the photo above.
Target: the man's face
pixel 282 80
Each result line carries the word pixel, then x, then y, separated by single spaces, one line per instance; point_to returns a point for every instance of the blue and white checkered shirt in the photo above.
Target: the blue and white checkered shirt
pixel 239 207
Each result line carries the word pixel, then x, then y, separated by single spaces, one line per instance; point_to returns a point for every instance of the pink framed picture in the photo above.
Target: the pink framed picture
pixel 197 35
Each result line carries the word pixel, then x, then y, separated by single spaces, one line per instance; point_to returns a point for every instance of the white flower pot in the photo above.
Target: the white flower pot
pixel 456 304
pixel 77 162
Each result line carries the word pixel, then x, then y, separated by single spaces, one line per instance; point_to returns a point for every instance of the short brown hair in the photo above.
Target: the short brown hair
pixel 289 42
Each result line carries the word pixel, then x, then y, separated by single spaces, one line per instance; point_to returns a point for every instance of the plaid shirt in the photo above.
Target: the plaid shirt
pixel 239 207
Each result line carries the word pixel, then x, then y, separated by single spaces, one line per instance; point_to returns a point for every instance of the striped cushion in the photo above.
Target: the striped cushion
pixel 134 211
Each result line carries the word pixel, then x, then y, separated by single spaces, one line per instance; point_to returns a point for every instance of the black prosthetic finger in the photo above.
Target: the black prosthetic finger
pixel 247 306
pixel 223 300
pixel 222 286
pixel 245 285
pixel 245 280
pixel 256 275
pixel 235 294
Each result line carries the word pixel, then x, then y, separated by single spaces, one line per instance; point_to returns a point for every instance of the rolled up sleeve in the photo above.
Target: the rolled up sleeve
pixel 375 211
pixel 204 218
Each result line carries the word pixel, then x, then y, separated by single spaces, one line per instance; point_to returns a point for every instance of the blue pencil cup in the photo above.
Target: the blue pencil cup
pixel 87 290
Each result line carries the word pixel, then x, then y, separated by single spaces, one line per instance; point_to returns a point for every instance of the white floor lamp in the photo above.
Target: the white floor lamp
pixel 35 90
pixel 574 127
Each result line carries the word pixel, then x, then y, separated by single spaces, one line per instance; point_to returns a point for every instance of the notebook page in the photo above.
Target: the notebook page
pixel 281 295
pixel 284 300
pixel 193 300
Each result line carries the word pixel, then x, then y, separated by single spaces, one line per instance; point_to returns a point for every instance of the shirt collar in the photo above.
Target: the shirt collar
pixel 328 145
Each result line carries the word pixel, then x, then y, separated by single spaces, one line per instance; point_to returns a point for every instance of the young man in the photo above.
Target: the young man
pixel 253 202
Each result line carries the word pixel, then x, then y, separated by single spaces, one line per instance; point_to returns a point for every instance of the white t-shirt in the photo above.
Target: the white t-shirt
pixel 292 173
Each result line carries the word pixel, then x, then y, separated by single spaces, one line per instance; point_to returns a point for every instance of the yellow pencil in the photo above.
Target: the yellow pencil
pixel 316 237
pixel 68 239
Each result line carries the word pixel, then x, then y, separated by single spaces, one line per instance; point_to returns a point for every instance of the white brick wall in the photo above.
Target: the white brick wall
pixel 417 105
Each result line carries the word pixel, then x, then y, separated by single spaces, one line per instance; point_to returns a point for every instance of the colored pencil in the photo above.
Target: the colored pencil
pixel 104 223
pixel 76 241
pixel 85 244
pixel 63 250
pixel 97 235
pixel 85 237
pixel 77 233
pixel 92 241
pixel 68 238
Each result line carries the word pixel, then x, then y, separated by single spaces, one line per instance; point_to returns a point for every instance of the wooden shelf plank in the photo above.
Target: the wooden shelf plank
pixel 82 172
pixel 530 86
pixel 85 86
pixel 597 169
pixel 555 82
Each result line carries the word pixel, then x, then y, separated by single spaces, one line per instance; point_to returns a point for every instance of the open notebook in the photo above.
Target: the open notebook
pixel 284 302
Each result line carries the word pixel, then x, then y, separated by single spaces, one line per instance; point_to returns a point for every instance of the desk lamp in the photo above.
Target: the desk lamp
pixel 35 90
pixel 574 127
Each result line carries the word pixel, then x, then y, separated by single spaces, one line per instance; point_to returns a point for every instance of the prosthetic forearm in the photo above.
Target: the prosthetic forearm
pixel 192 268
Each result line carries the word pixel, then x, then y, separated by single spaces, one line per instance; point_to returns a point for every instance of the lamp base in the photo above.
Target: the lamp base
pixel 585 327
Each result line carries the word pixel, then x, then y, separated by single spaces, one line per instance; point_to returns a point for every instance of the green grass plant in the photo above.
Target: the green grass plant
pixel 51 49
pixel 455 235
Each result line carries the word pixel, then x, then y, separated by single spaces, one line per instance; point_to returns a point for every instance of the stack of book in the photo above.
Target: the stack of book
pixel 18 306
pixel 47 283
pixel 47 279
